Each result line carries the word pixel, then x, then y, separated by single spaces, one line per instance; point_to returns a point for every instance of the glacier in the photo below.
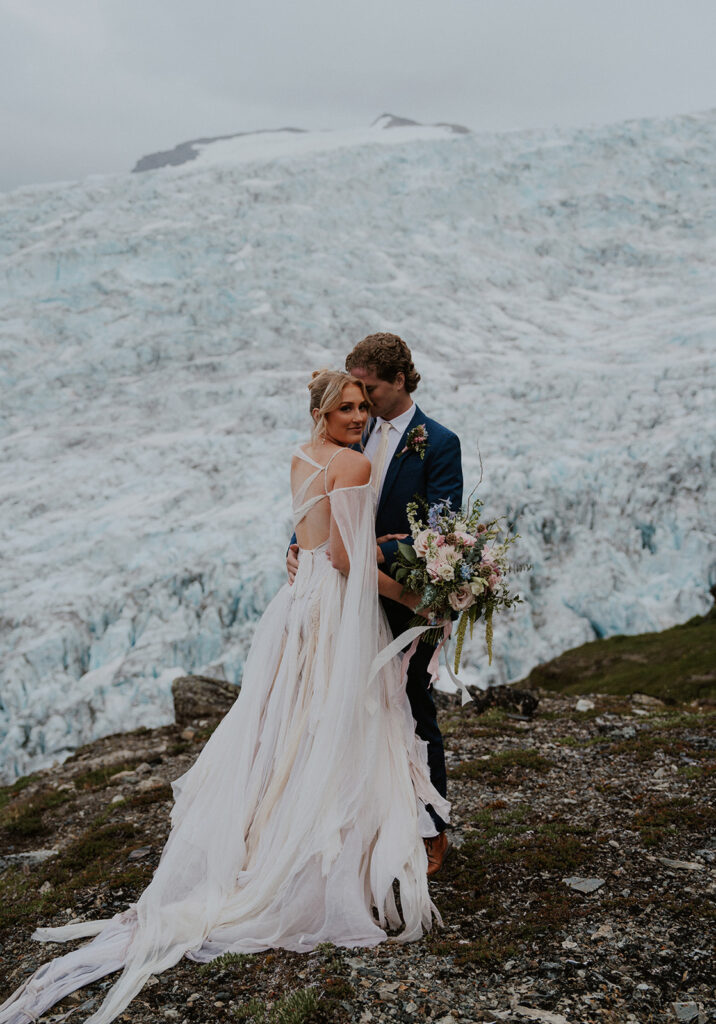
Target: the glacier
pixel 157 332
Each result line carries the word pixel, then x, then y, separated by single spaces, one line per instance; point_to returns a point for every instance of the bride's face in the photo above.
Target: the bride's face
pixel 347 423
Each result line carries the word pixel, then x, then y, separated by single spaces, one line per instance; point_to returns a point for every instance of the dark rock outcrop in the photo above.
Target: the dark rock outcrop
pixel 198 697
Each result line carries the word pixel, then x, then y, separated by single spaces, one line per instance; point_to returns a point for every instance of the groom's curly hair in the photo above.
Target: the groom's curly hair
pixel 387 355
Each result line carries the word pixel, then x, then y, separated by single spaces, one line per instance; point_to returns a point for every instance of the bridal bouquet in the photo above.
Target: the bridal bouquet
pixel 456 564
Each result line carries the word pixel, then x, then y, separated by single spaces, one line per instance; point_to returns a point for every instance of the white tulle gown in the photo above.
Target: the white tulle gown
pixel 304 807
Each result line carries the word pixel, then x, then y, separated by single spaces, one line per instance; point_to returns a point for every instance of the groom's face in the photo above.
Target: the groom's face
pixel 387 398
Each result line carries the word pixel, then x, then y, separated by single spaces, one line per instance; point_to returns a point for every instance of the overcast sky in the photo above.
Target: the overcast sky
pixel 91 85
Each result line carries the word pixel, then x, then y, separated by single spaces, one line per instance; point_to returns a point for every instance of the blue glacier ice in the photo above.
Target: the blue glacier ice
pixel 157 331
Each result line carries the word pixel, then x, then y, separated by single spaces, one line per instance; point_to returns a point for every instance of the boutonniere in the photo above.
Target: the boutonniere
pixel 416 441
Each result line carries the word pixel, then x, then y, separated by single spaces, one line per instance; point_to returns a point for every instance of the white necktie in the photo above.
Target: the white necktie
pixel 379 460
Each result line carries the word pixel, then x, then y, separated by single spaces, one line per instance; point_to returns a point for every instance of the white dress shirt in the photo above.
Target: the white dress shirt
pixel 398 427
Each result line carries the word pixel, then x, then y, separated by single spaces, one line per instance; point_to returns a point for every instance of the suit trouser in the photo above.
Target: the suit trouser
pixel 422 705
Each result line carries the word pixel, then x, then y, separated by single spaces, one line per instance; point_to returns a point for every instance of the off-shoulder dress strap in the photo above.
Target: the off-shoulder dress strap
pixel 325 468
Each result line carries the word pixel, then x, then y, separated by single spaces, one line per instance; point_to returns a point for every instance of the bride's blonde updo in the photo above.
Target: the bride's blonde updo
pixel 326 388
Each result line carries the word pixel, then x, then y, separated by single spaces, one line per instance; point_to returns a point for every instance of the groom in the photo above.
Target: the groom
pixel 411 462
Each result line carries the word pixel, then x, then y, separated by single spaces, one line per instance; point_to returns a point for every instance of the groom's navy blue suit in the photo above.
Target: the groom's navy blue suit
pixel 436 477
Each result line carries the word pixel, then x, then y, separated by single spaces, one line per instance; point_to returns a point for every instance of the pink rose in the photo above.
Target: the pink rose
pixel 422 542
pixel 492 580
pixel 461 599
pixel 466 538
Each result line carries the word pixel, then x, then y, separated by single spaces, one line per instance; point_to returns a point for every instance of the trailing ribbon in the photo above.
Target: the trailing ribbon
pixel 412 636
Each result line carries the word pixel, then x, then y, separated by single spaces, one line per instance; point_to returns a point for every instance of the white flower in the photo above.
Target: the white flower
pixel 477 586
pixel 440 567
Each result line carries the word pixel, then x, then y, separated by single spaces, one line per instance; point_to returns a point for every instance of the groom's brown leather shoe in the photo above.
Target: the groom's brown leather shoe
pixel 437 849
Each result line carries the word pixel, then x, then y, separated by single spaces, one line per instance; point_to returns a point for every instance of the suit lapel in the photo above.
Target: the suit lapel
pixel 397 461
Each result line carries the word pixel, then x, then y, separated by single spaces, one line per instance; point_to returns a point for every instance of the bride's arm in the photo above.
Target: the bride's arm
pixel 353 470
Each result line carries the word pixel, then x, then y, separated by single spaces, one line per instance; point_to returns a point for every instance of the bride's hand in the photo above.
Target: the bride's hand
pixel 390 536
pixel 382 540
pixel 412 601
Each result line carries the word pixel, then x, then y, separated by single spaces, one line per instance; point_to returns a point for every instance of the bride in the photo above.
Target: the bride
pixel 308 801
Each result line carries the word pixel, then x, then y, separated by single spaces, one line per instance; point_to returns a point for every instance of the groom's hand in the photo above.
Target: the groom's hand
pixel 292 562
pixel 383 539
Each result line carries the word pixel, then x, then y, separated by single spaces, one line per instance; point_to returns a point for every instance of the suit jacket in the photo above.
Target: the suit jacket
pixel 436 477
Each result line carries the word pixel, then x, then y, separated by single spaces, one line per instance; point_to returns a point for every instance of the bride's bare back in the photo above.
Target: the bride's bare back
pixel 315 472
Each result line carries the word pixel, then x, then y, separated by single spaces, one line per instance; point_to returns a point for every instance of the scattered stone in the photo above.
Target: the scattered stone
pixel 188 733
pixel 29 859
pixel 387 991
pixel 585 885
pixel 643 700
pixel 126 776
pixel 578 972
pixel 685 1011
pixel 685 865
pixel 46 887
pixel 143 851
pixel 113 757
pixel 533 1013
pixel 584 704
pixel 145 785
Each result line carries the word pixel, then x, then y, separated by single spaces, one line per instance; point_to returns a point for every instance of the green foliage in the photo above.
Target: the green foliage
pixel 254 1011
pixel 296 1008
pixel 225 962
pixel 300 1007
pixel 678 664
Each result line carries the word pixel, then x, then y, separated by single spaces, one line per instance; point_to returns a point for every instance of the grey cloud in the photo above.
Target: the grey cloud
pixel 90 85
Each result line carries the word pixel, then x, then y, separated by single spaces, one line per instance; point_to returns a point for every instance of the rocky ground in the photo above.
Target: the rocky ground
pixel 580 887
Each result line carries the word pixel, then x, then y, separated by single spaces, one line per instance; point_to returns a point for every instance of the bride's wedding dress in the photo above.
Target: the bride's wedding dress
pixel 303 808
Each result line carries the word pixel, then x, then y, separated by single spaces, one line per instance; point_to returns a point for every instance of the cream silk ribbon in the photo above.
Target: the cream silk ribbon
pixel 411 636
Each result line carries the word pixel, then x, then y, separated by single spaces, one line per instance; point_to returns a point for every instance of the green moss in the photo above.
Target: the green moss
pixel 502 764
pixel 24 817
pixel 675 665
pixel 647 743
pixel 98 778
pixel 682 813
pixel 153 796
pixel 8 793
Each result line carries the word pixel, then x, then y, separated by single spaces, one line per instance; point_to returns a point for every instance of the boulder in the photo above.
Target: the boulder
pixel 199 697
